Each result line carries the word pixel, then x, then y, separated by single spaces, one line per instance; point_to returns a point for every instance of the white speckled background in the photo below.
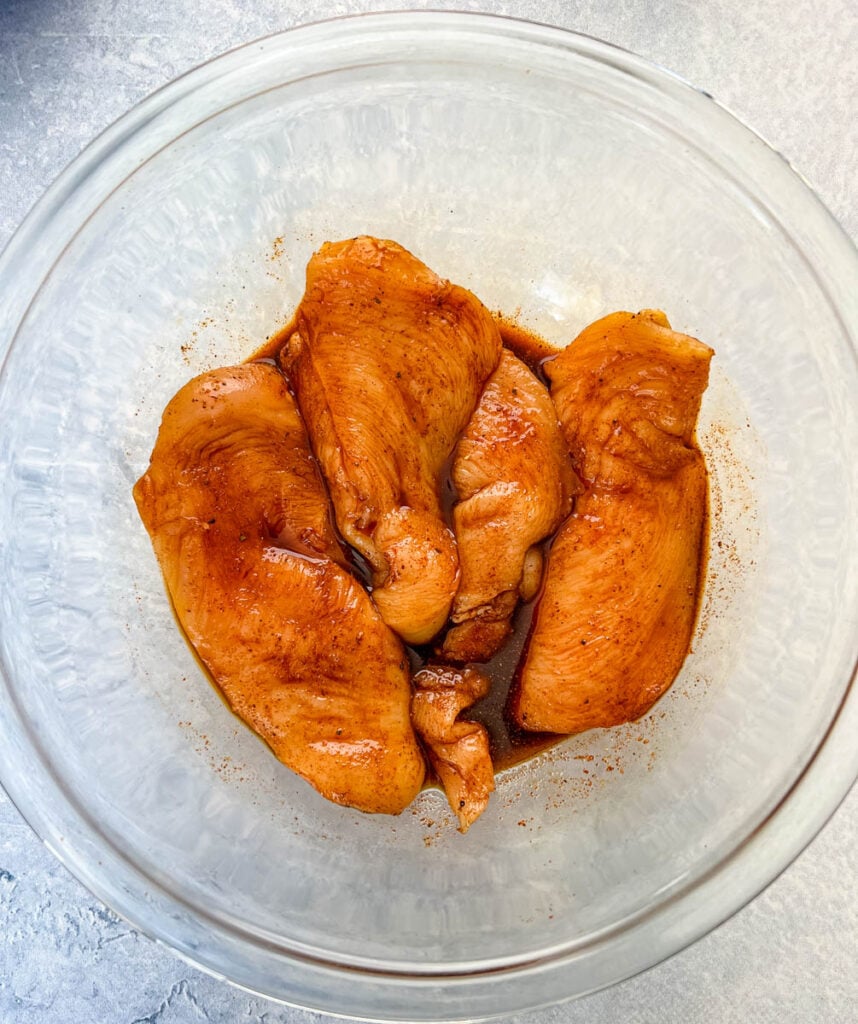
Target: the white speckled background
pixel 790 70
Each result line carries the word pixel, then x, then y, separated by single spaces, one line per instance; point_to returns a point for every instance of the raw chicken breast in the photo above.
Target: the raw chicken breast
pixel 458 749
pixel 617 611
pixel 388 362
pixel 515 484
pixel 240 522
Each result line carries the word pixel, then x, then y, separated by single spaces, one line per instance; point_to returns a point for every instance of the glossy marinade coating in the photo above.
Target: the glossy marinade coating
pixel 388 362
pixel 615 618
pixel 515 484
pixel 241 525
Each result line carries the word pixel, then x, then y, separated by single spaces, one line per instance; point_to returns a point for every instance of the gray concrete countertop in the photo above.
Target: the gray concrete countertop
pixel 790 70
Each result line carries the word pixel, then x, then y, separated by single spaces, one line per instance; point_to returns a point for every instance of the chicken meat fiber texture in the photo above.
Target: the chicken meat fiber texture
pixel 388 362
pixel 389 379
pixel 240 521
pixel 617 612
pixel 457 749
pixel 515 484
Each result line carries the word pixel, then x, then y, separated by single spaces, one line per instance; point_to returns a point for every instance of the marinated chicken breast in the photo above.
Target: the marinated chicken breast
pixel 388 362
pixel 615 618
pixel 458 749
pixel 515 484
pixel 241 525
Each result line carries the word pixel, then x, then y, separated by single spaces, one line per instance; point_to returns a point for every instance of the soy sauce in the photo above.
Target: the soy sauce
pixel 270 351
pixel 509 744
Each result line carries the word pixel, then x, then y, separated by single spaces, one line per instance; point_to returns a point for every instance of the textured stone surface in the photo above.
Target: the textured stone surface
pixel 70 67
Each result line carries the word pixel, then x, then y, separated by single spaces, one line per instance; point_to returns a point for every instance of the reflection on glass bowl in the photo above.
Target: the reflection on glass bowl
pixel 559 178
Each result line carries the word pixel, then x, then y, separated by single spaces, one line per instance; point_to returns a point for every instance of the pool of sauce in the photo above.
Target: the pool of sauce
pixel 270 351
pixel 509 744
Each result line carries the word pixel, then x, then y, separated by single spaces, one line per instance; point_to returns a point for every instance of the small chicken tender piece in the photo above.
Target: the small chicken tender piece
pixel 458 749
pixel 240 521
pixel 617 610
pixel 388 362
pixel 516 485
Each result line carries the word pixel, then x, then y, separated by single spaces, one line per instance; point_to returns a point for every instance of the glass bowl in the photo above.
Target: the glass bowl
pixel 559 178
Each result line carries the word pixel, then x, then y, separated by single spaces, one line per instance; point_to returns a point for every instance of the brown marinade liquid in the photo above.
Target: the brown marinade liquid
pixel 509 745
pixel 532 350
pixel 273 345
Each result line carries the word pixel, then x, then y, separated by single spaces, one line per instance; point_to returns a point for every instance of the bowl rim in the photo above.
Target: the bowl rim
pixel 798 816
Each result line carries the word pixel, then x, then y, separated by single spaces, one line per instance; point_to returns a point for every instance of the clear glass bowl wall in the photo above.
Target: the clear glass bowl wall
pixel 559 179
